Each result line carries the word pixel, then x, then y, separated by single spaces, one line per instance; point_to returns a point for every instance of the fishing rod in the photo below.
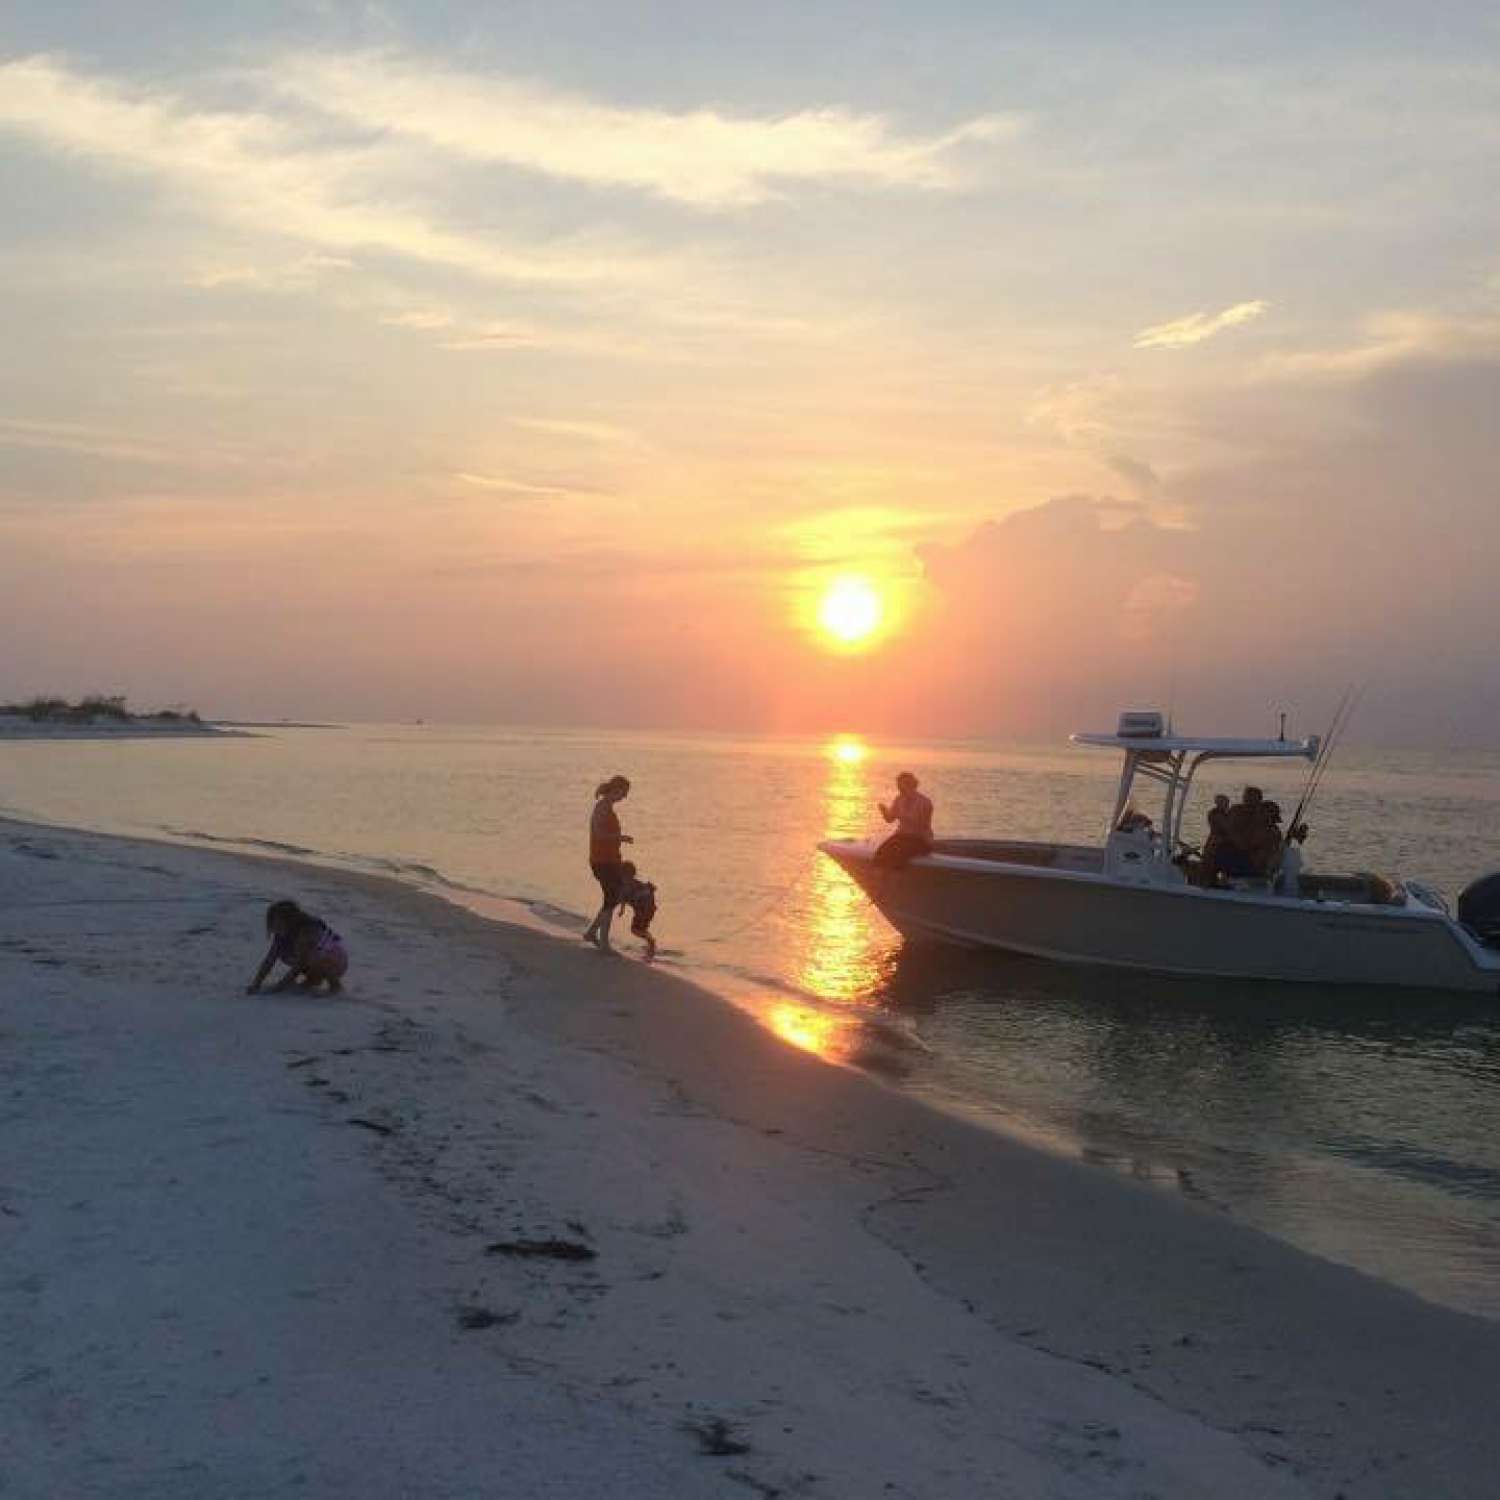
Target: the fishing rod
pixel 1320 763
pixel 1338 739
pixel 764 912
pixel 1323 747
pixel 1341 717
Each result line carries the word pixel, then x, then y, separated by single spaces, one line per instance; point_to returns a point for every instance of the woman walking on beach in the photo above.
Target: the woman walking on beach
pixel 605 840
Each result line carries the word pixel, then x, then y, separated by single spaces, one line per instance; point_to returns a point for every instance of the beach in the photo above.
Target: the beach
pixel 510 1217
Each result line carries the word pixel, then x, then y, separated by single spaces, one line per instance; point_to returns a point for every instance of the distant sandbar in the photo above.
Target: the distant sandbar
pixel 20 727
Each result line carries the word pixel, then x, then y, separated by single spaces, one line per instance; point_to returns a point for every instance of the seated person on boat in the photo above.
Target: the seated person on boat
pixel 911 811
pixel 1218 837
pixel 1244 842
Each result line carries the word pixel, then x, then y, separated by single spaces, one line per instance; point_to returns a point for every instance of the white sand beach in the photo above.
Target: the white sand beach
pixel 512 1218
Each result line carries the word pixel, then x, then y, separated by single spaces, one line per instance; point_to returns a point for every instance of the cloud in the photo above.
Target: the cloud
pixel 247 185
pixel 305 271
pixel 1078 410
pixel 1197 327
pixel 1136 472
pixel 699 157
pixel 501 337
pixel 1155 603
pixel 1361 546
pixel 422 319
pixel 589 432
pixel 619 570
pixel 517 487
pixel 1387 341
pixel 73 437
pixel 451 327
pixel 1074 605
pixel 1359 542
pixel 256 171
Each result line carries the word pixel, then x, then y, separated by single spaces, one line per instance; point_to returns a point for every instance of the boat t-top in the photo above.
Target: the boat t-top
pixel 1147 899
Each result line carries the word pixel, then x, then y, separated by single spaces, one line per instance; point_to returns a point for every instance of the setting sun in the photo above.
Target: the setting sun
pixel 848 749
pixel 850 611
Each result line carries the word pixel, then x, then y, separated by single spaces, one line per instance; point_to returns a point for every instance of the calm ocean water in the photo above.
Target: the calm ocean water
pixel 1364 1126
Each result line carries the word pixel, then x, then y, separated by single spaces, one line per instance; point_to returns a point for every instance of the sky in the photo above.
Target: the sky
pixel 547 363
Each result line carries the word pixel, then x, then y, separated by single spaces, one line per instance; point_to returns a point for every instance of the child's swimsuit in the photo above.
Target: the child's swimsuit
pixel 330 954
pixel 641 900
pixel 327 954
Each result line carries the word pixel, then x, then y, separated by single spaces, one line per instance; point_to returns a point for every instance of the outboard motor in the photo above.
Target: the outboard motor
pixel 1479 908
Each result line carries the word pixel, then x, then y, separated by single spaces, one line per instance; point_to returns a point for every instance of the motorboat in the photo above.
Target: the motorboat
pixel 1139 900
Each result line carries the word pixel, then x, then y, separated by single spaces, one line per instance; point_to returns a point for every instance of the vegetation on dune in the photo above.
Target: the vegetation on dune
pixel 95 708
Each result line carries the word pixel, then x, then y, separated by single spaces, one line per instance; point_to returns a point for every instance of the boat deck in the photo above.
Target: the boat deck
pixel 1080 857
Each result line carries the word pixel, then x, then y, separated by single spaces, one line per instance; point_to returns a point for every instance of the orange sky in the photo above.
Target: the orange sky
pixel 356 370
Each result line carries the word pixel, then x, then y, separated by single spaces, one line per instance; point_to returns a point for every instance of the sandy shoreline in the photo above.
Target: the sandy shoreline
pixel 513 1218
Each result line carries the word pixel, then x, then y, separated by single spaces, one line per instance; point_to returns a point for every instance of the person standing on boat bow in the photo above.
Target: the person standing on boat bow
pixel 911 812
pixel 605 840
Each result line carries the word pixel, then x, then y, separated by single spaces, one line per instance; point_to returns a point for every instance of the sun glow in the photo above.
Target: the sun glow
pixel 850 611
pixel 807 1028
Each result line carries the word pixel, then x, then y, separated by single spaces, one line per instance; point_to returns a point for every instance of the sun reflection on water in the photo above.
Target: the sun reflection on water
pixel 841 936
pixel 811 1030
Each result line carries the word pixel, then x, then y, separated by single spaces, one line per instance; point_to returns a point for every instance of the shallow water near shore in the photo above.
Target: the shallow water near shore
pixel 1361 1125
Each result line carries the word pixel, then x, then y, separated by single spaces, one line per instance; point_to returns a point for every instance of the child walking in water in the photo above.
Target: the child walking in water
pixel 640 897
pixel 311 950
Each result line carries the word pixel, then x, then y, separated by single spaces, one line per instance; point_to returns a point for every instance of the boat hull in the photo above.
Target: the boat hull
pixel 1079 917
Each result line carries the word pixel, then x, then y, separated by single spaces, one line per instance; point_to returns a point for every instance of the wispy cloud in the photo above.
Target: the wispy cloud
pixel 699 157
pixel 294 275
pixel 1388 339
pixel 518 487
pixel 514 336
pixel 258 171
pixel 73 437
pixel 422 319
pixel 1078 410
pixel 322 182
pixel 591 432
pixel 453 329
pixel 1197 327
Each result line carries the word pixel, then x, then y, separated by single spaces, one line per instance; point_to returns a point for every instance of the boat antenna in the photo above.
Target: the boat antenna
pixel 1341 716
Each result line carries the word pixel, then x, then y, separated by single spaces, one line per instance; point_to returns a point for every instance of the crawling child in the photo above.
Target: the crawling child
pixel 640 897
pixel 311 950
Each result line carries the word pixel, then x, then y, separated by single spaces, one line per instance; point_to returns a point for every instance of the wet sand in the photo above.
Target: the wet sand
pixel 512 1217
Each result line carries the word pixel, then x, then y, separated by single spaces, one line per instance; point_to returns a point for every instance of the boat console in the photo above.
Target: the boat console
pixel 1136 854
